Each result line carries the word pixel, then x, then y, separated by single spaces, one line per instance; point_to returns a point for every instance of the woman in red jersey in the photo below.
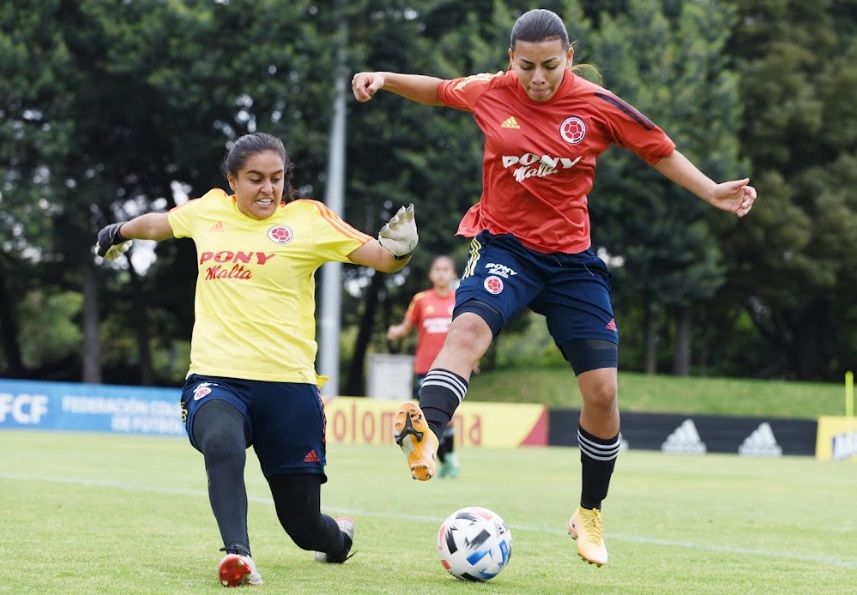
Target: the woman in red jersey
pixel 252 378
pixel 544 129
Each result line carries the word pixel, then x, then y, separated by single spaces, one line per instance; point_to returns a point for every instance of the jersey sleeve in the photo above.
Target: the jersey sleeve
pixel 181 218
pixel 463 93
pixel 632 130
pixel 334 238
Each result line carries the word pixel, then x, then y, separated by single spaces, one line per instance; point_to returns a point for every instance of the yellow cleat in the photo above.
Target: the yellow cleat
pixel 585 526
pixel 418 442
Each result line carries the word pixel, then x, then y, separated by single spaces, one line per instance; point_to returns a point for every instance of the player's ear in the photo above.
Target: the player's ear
pixel 231 181
pixel 569 57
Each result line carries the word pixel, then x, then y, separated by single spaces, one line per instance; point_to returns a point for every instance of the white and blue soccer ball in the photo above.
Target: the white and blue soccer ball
pixel 474 544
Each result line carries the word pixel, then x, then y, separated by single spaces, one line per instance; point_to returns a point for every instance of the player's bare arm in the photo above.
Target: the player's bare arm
pixel 115 239
pixel 372 254
pixel 416 87
pixel 735 196
pixel 151 226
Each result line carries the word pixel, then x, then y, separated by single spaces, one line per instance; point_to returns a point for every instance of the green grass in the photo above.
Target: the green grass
pixel 100 513
pixel 556 387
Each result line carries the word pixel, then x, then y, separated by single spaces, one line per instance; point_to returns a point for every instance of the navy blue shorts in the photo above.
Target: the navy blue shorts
pixel 286 419
pixel 572 291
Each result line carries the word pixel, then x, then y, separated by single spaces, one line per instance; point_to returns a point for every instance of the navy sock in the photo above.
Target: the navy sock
pixel 440 395
pixel 597 458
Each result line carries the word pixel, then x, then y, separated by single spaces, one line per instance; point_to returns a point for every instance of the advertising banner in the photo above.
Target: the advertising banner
pixel 837 439
pixel 32 405
pixel 503 425
pixel 694 434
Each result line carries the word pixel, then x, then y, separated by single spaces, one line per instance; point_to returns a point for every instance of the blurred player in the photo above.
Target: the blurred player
pixel 544 128
pixel 252 378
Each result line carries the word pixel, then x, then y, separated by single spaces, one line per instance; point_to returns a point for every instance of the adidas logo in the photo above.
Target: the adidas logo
pixel 216 227
pixel 684 440
pixel 311 457
pixel 510 122
pixel 611 326
pixel 761 443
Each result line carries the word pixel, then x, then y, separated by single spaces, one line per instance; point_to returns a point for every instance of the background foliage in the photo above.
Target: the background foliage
pixel 111 108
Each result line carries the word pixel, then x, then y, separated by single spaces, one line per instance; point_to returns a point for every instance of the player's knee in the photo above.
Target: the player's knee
pixel 487 313
pixel 599 391
pixel 219 431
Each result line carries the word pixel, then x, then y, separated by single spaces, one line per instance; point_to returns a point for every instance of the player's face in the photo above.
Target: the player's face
pixel 259 185
pixel 442 273
pixel 540 67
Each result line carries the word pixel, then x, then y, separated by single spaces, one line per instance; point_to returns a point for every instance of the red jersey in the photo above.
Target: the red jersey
pixel 431 314
pixel 539 161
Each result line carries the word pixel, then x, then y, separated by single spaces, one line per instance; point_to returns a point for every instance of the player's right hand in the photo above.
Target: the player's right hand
pixel 399 235
pixel 110 244
pixel 364 85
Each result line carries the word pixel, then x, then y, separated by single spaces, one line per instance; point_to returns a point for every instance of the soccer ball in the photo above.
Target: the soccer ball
pixel 474 544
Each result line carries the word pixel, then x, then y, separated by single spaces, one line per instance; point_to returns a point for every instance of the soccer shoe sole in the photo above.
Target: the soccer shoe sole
pixel 234 572
pixel 572 530
pixel 417 440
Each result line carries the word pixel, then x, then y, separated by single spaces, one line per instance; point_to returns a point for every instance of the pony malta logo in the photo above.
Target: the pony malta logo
pixel 229 264
pixel 530 165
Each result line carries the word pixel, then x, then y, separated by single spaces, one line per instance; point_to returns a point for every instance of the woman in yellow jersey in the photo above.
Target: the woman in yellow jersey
pixel 252 378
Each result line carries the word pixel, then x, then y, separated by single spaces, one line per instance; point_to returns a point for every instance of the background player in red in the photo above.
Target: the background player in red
pixel 430 312
pixel 544 128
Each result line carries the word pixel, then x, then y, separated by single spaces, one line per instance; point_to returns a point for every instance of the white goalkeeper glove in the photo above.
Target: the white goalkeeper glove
pixel 399 235
pixel 111 245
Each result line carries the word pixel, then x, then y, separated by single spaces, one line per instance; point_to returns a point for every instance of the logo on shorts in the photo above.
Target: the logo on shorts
pixel 493 285
pixel 572 130
pixel 501 270
pixel 201 390
pixel 280 234
pixel 311 457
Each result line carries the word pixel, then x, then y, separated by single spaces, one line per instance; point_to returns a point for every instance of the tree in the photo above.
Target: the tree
pixel 800 129
pixel 673 69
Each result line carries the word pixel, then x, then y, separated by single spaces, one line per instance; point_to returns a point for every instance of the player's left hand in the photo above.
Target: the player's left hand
pixel 736 196
pixel 399 234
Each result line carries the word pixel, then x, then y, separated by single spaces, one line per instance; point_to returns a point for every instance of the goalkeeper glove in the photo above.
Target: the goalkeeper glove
pixel 399 234
pixel 111 244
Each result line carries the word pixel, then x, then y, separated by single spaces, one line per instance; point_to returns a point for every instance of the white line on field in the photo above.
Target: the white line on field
pixel 618 536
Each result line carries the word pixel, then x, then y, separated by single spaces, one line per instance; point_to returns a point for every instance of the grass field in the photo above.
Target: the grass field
pixel 100 513
pixel 556 387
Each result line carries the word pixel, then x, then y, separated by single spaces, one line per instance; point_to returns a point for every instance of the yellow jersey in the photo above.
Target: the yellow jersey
pixel 255 293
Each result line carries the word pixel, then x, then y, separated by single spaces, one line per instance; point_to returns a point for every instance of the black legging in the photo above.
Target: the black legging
pixel 222 435
pixel 297 499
